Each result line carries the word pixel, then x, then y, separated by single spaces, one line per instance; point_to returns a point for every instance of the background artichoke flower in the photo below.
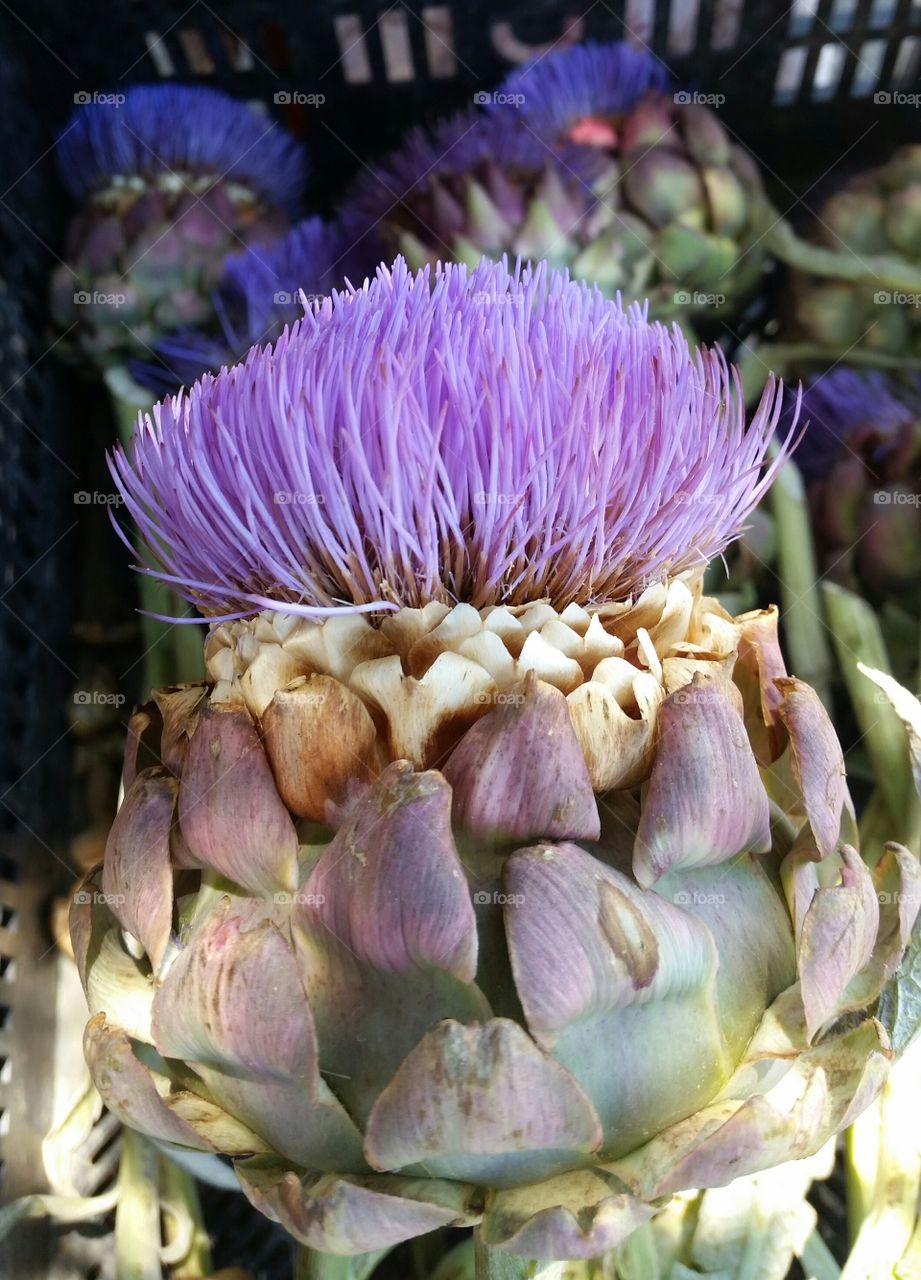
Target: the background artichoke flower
pixel 259 292
pixel 861 459
pixel 169 182
pixel 532 897
pixel 587 161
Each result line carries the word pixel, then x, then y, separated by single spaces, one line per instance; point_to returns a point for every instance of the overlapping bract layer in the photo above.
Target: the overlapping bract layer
pixel 481 435
pixel 170 182
pixel 405 994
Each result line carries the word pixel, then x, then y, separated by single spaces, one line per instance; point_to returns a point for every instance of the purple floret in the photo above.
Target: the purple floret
pixel 184 129
pixel 494 435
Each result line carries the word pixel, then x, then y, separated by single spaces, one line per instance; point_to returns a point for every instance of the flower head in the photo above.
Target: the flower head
pixel 578 92
pixel 160 131
pixel 488 435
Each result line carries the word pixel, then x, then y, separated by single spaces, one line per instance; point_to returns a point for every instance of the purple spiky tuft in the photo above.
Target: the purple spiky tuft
pixel 187 130
pixel 591 80
pixel 487 435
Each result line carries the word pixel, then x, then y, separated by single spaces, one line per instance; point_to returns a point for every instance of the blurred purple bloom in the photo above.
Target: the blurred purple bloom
pixel 258 295
pixel 164 128
pixel 847 411
pixel 586 81
pixel 488 436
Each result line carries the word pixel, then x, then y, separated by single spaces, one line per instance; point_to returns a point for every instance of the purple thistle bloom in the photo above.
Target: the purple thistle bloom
pixel 845 410
pixel 161 129
pixel 259 293
pixel 590 80
pixel 486 436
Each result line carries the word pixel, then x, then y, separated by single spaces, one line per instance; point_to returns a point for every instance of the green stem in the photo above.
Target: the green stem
pixel 889 1227
pixel 818 1260
pixel 861 1166
pixel 137 1215
pixel 184 1228
pixel 858 637
pixel 172 653
pixel 881 270
pixel 310 1264
pixel 804 627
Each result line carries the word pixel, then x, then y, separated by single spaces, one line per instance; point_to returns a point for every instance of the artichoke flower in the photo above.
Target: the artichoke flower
pixel 168 183
pixel 587 161
pixel 861 460
pixel 495 875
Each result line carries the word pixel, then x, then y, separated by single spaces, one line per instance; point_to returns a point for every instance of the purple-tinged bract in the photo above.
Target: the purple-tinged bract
pixel 486 435
pixel 163 129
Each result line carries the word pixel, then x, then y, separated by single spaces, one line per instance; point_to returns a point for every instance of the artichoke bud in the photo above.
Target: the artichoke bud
pixel 856 219
pixel 827 312
pixel 661 186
